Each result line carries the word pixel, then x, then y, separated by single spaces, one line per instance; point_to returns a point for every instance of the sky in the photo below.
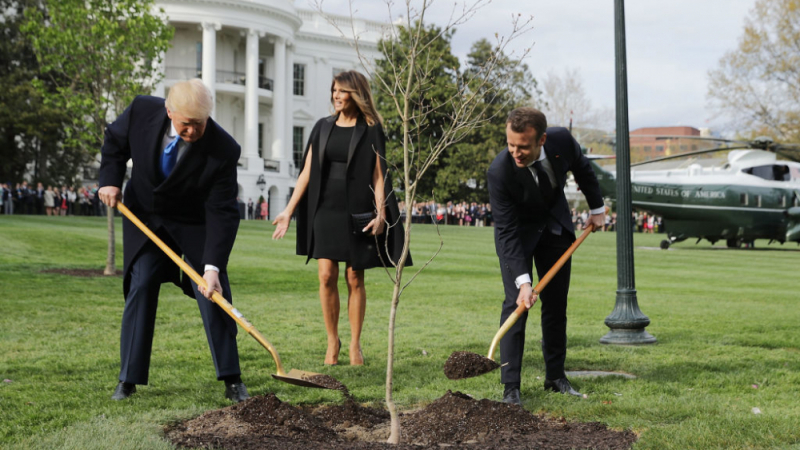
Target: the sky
pixel 671 46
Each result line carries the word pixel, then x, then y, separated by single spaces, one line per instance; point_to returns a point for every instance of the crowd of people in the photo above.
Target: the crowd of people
pixel 21 198
pixel 480 214
pixel 451 213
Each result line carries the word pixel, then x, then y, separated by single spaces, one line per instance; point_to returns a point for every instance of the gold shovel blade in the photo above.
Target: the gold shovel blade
pixel 309 379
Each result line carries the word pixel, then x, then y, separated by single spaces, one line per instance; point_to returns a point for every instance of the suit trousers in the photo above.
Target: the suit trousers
pixel 139 317
pixel 553 300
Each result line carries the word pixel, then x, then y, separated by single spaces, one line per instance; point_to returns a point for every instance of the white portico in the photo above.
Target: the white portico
pixel 269 66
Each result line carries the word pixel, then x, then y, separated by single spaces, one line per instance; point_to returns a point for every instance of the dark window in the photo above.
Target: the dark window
pixel 297 146
pixel 260 136
pixel 299 79
pixel 660 148
pixel 648 149
pixel 199 57
pixel 743 198
pixel 684 148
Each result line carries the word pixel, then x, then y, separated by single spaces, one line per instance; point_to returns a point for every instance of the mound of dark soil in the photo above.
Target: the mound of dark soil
pixel 467 364
pixel 453 421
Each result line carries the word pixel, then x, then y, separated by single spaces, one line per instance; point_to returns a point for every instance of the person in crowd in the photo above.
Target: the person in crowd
pixel 249 209
pixel 533 226
pixel 58 201
pixel 72 198
pixel 39 199
pixel 49 200
pixel 264 209
pixel 184 186
pixel 343 200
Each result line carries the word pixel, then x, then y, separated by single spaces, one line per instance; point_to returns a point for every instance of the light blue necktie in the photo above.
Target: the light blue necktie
pixel 170 156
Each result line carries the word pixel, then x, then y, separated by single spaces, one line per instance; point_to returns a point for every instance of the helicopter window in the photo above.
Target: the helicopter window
pixel 743 198
pixel 758 201
pixel 772 172
pixel 795 201
pixel 783 201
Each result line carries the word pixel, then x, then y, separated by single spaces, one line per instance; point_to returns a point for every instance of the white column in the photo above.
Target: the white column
pixel 251 99
pixel 210 58
pixel 287 130
pixel 280 88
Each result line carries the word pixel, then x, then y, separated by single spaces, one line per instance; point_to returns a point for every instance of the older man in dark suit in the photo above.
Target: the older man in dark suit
pixel 183 186
pixel 533 225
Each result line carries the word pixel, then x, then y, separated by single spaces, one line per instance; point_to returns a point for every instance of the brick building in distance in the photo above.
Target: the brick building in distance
pixel 655 142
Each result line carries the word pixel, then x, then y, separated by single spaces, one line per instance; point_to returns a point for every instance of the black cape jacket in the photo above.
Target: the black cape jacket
pixel 366 145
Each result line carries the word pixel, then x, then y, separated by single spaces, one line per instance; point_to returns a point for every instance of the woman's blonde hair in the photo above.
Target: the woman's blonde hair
pixel 357 85
pixel 190 98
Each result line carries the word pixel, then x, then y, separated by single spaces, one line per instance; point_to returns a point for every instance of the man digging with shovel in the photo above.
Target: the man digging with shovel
pixel 533 225
pixel 183 186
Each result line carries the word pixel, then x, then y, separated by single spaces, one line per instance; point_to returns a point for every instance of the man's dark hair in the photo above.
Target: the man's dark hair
pixel 522 118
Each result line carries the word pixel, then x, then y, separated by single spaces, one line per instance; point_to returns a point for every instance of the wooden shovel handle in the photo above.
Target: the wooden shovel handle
pixel 216 297
pixel 512 319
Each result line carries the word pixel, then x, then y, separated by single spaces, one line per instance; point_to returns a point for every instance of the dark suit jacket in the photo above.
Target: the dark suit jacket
pixel 195 206
pixel 518 210
pixel 366 144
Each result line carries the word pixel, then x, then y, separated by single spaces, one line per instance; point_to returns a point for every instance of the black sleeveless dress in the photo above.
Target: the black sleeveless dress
pixel 331 237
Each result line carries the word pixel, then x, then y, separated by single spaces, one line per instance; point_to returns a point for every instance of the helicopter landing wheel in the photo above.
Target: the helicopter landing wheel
pixel 665 244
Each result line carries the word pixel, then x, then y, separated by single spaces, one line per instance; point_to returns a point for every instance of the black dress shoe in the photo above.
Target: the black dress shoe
pixel 560 385
pixel 512 396
pixel 123 391
pixel 236 392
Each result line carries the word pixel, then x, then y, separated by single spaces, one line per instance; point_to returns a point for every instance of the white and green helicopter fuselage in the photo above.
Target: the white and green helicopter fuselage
pixel 750 196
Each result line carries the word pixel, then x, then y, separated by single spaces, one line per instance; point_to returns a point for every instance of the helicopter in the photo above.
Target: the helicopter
pixel 747 195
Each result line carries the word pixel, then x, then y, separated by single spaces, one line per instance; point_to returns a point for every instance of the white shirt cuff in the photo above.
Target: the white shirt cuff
pixel 522 279
pixel 600 210
pixel 210 267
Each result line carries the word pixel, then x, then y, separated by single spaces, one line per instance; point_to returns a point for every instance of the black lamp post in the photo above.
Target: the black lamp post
pixel 626 321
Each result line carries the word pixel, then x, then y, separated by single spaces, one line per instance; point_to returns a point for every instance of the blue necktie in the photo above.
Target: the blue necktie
pixel 170 156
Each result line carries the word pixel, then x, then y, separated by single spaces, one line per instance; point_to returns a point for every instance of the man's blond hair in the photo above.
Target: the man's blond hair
pixel 190 98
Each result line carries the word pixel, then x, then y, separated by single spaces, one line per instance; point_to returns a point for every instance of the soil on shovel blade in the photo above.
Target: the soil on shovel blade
pixel 467 364
pixel 452 421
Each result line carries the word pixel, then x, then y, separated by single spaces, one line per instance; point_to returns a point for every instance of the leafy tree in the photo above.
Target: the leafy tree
pixel 105 52
pixel 463 172
pixel 31 133
pixel 758 84
pixel 438 71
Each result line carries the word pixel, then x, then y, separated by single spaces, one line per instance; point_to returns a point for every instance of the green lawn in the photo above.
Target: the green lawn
pixel 727 323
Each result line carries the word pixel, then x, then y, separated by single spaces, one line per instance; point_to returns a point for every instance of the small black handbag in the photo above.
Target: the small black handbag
pixel 361 220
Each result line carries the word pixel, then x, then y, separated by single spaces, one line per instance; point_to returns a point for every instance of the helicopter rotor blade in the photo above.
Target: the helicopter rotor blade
pixel 694 153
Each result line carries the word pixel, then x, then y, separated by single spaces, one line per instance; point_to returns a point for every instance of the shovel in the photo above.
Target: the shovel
pixel 466 364
pixel 296 377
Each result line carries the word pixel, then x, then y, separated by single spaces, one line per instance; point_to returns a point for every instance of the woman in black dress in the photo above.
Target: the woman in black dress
pixel 344 175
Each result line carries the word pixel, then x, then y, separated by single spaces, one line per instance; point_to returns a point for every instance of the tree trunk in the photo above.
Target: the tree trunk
pixel 110 267
pixel 394 437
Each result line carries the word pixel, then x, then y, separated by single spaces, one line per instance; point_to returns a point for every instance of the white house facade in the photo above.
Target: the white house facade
pixel 269 66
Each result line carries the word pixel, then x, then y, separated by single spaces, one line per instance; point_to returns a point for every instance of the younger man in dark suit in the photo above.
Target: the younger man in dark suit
pixel 533 225
pixel 183 186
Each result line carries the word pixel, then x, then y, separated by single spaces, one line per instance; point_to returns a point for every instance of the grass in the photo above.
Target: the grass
pixel 726 321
